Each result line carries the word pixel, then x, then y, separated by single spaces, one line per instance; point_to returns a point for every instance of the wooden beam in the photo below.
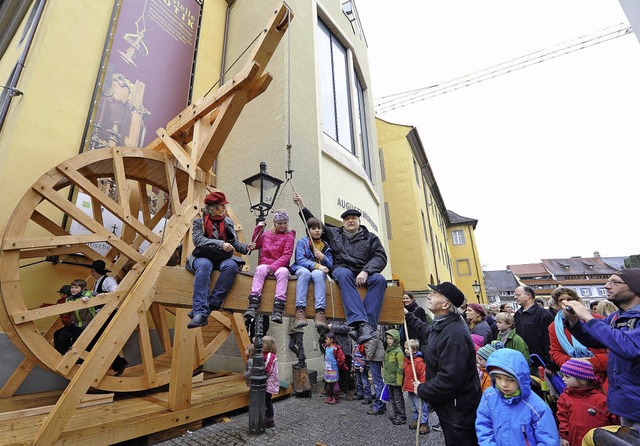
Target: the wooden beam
pixel 55 241
pixel 240 330
pixel 181 364
pixel 17 377
pixel 178 152
pixel 146 350
pixel 58 309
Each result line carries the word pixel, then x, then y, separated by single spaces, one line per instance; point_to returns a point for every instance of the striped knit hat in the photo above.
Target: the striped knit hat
pixel 579 369
pixel 485 351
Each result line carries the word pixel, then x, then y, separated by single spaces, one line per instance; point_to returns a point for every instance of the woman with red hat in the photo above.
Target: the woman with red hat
pixel 215 240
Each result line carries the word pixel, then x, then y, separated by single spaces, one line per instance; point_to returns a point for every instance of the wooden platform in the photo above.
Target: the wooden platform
pixel 127 417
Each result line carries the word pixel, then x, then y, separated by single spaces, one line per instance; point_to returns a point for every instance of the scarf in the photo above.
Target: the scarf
pixel 577 350
pixel 208 226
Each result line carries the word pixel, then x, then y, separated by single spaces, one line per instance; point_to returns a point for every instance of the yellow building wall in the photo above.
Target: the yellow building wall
pixel 44 126
pixel 418 257
pixel 466 263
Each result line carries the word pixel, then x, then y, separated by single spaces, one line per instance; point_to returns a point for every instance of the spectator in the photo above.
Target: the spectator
pixel 563 346
pixel 481 361
pixel 620 333
pixel 476 318
pixel 508 337
pixel 605 308
pixel 341 337
pixel 593 305
pixel 374 354
pixel 394 375
pixel 410 304
pixel 452 387
pixel 531 324
pixel 418 406
pixel 493 310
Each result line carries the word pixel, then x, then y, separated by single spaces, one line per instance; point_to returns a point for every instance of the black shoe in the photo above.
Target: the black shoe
pixel 198 321
pixel 190 314
pixel 365 333
pixel 269 423
pixel 375 412
pixel 399 420
pixel 120 365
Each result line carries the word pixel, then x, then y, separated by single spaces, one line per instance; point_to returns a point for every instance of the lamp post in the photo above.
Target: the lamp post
pixel 262 190
pixel 477 288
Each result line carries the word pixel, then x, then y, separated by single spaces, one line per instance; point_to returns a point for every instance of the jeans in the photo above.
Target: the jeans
pixel 363 387
pixel 203 302
pixel 397 401
pixel 319 287
pixel 355 308
pixel 378 384
pixel 282 280
pixel 416 402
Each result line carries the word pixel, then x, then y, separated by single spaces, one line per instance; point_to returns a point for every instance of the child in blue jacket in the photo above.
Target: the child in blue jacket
pixel 313 262
pixel 510 414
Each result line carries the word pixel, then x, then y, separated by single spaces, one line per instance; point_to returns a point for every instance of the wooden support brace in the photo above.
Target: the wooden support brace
pixel 181 364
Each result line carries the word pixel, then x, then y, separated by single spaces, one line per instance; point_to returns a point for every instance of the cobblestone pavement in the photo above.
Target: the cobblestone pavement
pixel 307 421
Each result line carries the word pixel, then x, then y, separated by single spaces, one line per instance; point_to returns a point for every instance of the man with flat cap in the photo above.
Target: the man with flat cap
pixel 452 386
pixel 215 240
pixel 358 259
pixel 620 333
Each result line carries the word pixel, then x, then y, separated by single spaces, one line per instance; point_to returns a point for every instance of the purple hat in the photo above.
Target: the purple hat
pixel 478 309
pixel 280 215
pixel 579 369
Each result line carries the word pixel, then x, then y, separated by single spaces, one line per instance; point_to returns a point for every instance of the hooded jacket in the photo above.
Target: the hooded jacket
pixel 393 361
pixel 305 258
pixel 580 410
pixel 362 252
pixel 418 363
pixel 623 370
pixel 452 386
pixel 524 419
pixel 276 248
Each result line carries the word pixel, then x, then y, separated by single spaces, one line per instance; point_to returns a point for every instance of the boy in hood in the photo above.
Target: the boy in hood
pixel 394 375
pixel 510 414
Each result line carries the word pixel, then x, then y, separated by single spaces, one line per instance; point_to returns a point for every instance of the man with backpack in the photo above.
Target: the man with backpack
pixel 620 333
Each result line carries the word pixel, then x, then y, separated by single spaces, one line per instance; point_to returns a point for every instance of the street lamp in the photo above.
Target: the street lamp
pixel 477 289
pixel 262 190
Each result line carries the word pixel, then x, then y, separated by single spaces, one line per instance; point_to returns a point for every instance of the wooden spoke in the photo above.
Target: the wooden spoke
pixel 146 350
pixel 159 316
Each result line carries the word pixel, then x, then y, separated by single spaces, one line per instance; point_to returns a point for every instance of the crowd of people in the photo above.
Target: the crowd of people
pixel 484 370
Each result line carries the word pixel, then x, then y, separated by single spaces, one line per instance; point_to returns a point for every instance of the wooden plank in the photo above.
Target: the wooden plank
pixel 55 241
pixel 222 318
pixel 144 203
pixel 159 317
pixel 86 401
pixel 175 286
pixel 217 342
pixel 55 229
pixel 58 309
pixel 170 171
pixel 240 330
pixel 120 178
pixel 46 252
pixel 17 377
pixel 146 350
pixel 181 364
pixel 178 152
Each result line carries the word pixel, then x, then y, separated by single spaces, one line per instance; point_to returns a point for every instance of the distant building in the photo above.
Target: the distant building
pixel 536 276
pixel 464 255
pixel 586 275
pixel 501 286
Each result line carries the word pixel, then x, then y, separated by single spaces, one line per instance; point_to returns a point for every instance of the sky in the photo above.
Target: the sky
pixel 546 158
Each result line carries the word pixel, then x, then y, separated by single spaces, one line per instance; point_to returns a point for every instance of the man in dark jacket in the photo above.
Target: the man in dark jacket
pixel 358 259
pixel 452 386
pixel 532 322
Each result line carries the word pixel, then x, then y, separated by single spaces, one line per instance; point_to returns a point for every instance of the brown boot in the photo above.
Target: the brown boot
pixel 300 319
pixel 320 319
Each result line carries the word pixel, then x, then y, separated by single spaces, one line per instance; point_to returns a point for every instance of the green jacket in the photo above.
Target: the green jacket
pixel 515 342
pixel 81 317
pixel 394 361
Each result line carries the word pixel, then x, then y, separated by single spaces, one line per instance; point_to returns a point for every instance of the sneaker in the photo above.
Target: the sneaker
pixel 437 428
pixel 424 429
pixel 413 424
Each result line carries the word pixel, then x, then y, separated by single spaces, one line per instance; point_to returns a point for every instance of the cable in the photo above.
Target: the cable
pixel 403 99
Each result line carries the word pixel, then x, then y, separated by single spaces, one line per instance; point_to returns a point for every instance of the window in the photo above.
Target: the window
pixel 387 217
pixel 602 291
pixel 585 291
pixel 424 227
pixel 464 267
pixel 361 124
pixel 415 170
pixel 383 171
pixel 458 237
pixel 334 88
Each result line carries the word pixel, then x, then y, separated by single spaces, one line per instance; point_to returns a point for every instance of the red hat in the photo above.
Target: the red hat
pixel 478 309
pixel 215 198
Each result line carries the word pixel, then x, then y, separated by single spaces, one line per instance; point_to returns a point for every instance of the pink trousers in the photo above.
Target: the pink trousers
pixel 282 280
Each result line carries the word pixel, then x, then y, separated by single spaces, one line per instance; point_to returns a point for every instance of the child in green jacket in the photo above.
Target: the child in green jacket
pixel 394 375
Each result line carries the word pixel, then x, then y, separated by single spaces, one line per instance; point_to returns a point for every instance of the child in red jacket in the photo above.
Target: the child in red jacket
pixel 276 248
pixel 412 346
pixel 582 406
pixel 333 363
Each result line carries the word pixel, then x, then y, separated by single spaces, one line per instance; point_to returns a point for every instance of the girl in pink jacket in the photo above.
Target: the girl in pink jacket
pixel 276 247
pixel 273 378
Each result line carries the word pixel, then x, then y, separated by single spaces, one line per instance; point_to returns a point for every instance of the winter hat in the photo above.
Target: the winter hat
pixel 478 309
pixel 478 341
pixel 215 198
pixel 451 292
pixel 579 369
pixel 280 215
pixel 485 351
pixel 631 277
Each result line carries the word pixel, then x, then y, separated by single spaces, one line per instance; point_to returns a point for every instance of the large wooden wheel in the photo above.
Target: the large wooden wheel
pixel 29 234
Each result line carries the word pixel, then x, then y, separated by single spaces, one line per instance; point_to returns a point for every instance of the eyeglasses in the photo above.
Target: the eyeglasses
pixel 615 282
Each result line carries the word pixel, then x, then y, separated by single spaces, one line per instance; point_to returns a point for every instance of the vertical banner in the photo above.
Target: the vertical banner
pixel 148 74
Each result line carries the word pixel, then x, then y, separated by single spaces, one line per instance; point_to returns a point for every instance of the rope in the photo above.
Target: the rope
pixel 415 379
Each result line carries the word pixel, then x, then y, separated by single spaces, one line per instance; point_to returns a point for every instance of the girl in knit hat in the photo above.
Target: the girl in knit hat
pixel 276 248
pixel 481 361
pixel 582 406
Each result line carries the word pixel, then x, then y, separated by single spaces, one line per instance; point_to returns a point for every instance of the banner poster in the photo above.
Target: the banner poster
pixel 146 83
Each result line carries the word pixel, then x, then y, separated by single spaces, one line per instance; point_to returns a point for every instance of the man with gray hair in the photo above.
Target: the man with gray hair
pixel 452 386
pixel 532 322
pixel 620 333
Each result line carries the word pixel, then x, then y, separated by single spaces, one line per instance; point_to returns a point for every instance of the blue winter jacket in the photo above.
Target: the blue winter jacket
pixel 306 259
pixel 521 420
pixel 623 368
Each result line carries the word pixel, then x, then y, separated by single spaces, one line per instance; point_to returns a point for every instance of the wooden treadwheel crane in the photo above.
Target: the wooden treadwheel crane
pixel 169 164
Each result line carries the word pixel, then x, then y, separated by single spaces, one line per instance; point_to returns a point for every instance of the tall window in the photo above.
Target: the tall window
pixel 334 88
pixel 458 237
pixel 361 124
pixel 424 228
